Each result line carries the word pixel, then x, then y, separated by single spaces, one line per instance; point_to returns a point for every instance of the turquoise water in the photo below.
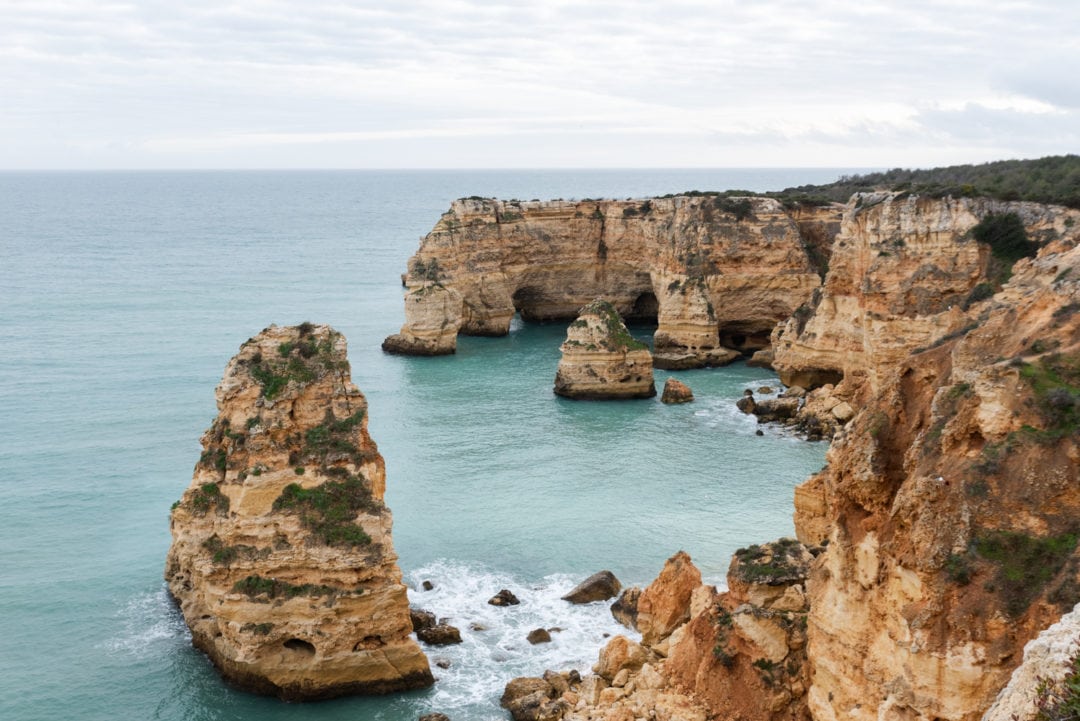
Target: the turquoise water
pixel 122 297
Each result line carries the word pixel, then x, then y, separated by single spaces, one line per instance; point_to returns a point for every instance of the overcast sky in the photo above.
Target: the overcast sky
pixel 473 84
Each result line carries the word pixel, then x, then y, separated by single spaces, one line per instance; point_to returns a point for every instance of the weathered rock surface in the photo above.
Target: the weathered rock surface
pixel 598 587
pixel 281 561
pixel 624 610
pixel 713 272
pixel 441 634
pixel 665 603
pixel 675 391
pixel 505 597
pixel 538 635
pixel 956 472
pixel 601 360
pixel 432 316
pixel 1048 659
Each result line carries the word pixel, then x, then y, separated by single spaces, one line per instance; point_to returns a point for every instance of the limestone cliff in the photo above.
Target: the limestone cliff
pixel 949 500
pixel 902 273
pixel 282 561
pixel 711 271
pixel 601 360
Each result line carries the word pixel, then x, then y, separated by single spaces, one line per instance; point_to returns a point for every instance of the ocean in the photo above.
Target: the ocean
pixel 124 294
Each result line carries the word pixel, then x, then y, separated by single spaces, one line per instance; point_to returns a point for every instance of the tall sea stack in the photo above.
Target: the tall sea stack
pixel 282 561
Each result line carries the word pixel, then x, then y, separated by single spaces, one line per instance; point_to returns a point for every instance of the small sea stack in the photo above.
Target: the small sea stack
pixel 601 360
pixel 282 561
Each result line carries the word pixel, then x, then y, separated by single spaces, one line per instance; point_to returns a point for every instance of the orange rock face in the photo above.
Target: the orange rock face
pixel 282 561
pixel 712 272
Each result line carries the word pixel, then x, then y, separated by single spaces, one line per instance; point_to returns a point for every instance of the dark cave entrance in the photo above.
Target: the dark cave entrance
pixel 645 310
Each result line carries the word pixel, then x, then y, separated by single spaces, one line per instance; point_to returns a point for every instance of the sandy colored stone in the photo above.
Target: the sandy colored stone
pixel 715 273
pixel 675 391
pixel 278 607
pixel 620 653
pixel 665 603
pixel 601 360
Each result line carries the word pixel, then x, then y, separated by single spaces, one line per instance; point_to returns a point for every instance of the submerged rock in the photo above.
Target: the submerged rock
pixel 601 360
pixel 441 634
pixel 282 561
pixel 597 587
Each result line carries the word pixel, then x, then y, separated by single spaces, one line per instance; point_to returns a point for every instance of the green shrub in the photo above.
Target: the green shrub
pixel 1006 236
pixel 1025 564
pixel 253 586
pixel 980 292
pixel 208 496
pixel 1060 701
pixel 330 509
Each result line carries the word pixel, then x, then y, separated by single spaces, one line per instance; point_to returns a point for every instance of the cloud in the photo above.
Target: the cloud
pixel 229 82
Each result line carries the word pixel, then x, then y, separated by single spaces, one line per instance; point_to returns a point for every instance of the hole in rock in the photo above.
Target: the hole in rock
pixel 296 644
pixel 646 309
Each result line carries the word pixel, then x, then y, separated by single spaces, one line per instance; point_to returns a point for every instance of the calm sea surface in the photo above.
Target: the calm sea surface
pixel 123 295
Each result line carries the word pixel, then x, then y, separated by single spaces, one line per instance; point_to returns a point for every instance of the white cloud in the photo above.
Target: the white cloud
pixel 443 83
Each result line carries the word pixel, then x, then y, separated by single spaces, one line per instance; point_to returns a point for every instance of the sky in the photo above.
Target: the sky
pixel 88 84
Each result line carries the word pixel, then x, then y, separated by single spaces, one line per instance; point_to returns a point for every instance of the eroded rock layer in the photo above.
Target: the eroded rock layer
pixel 282 561
pixel 601 360
pixel 949 499
pixel 711 271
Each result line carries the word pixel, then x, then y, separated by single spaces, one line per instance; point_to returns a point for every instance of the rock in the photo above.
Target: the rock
pixel 843 412
pixel 794 392
pixel 538 635
pixel 761 359
pixel 421 619
pixel 598 587
pixel 432 319
pixel 601 360
pixel 776 409
pixel 443 663
pixel 504 598
pixel 620 653
pixel 549 258
pixel 559 684
pixel 530 699
pixel 427 586
pixel 759 432
pixel 765 389
pixel 665 603
pixel 621 678
pixel 435 717
pixel 442 634
pixel 625 608
pixel 474 626
pixel 676 391
pixel 746 404
pixel 283 601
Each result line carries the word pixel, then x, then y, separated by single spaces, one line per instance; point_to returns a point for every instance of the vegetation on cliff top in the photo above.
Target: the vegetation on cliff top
pixel 329 510
pixel 302 361
pixel 618 337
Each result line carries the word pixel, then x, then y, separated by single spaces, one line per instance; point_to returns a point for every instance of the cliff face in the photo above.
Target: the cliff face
pixel 601 360
pixel 949 501
pixel 282 561
pixel 901 273
pixel 710 271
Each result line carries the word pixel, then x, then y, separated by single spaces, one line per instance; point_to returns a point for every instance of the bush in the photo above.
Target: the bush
pixel 1060 701
pixel 329 510
pixel 1006 236
pixel 1025 564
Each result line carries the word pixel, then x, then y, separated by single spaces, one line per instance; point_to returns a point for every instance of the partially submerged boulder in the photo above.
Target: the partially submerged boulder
pixel 598 587
pixel 675 391
pixel 601 360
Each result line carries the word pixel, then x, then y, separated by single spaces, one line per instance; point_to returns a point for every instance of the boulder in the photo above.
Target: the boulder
pixel 776 409
pixel 434 717
pixel 504 598
pixel 665 603
pixel 746 404
pixel 620 653
pixel 597 587
pixel 442 634
pixel 538 635
pixel 625 607
pixel 761 359
pixel 421 619
pixel 843 412
pixel 675 391
pixel 601 360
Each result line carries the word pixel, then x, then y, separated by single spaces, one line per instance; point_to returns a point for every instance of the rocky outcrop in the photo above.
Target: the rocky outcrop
pixel 601 360
pixel 675 391
pixel 1048 660
pixel 281 561
pixel 949 499
pixel 715 273
pixel 902 276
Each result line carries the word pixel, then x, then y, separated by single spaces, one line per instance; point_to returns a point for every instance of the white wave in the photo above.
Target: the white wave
pixel 486 659
pixel 147 620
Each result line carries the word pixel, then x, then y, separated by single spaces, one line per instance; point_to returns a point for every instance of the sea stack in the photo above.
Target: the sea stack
pixel 601 360
pixel 281 561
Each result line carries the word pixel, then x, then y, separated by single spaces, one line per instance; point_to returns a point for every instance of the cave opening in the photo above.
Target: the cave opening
pixel 296 644
pixel 645 310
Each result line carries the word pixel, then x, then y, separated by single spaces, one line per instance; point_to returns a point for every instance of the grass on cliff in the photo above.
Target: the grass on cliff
pixel 253 586
pixel 300 361
pixel 1023 565
pixel 618 337
pixel 208 496
pixel 772 563
pixel 331 439
pixel 1055 379
pixel 329 510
